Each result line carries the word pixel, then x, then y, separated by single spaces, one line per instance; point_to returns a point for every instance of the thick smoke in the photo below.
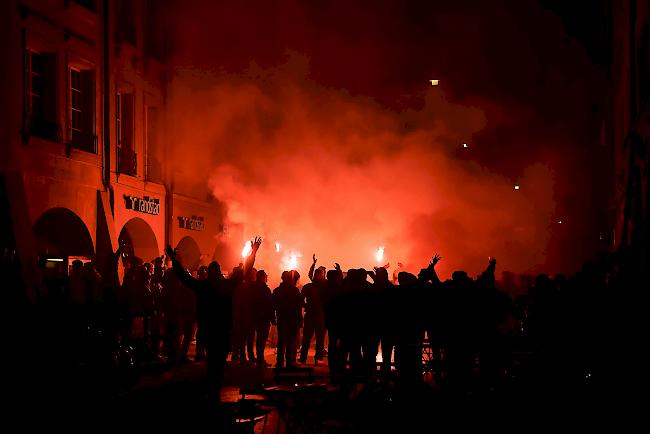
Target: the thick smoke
pixel 312 157
pixel 320 171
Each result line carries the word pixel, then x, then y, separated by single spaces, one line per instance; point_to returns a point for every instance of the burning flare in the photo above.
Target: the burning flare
pixel 379 254
pixel 290 261
pixel 246 250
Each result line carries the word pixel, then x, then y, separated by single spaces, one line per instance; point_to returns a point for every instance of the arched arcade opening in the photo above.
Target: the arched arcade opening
pixel 60 236
pixel 189 253
pixel 138 240
pixel 60 232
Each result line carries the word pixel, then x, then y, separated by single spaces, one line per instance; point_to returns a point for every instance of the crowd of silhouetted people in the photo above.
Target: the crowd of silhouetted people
pixel 560 331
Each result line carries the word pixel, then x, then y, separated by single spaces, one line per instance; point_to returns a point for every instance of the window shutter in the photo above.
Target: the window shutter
pixel 88 102
pixel 49 89
pixel 127 121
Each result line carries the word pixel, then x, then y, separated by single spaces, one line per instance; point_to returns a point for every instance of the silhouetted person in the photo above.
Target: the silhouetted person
pixel 334 299
pixel 434 307
pixel 461 323
pixel 369 314
pixel 199 354
pixel 247 317
pixel 288 307
pixel 76 284
pixel 407 355
pixel 386 322
pixel 312 295
pixel 214 299
pixel 177 304
pixel 240 316
pixel 263 314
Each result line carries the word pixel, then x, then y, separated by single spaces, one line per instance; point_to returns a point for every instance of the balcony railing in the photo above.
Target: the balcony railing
pixel 127 161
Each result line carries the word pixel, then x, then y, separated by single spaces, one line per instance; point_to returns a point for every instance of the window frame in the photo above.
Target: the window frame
pixel 88 103
pixel 49 116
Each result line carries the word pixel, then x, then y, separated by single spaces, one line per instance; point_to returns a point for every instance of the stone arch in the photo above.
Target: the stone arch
pixel 139 240
pixel 189 252
pixel 61 232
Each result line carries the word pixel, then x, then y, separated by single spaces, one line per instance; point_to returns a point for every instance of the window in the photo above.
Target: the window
pixel 40 96
pixel 126 157
pixel 82 110
pixel 75 105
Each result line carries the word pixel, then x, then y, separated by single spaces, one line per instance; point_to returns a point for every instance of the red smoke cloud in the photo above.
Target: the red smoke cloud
pixel 316 127
pixel 322 172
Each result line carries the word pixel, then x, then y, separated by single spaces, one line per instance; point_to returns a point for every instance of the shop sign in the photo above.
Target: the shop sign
pixel 145 204
pixel 193 223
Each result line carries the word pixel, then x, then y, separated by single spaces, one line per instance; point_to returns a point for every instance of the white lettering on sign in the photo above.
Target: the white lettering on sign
pixel 146 204
pixel 193 223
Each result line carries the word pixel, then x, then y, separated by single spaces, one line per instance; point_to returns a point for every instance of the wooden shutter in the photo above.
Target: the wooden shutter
pixel 88 103
pixel 127 121
pixel 49 98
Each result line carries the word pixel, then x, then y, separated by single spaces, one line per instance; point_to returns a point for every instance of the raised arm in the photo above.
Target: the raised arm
pixel 434 276
pixel 311 269
pixel 183 275
pixel 429 273
pixel 487 276
pixel 250 260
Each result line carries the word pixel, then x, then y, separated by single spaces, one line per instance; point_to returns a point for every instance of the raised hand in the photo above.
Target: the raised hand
pixel 255 245
pixel 436 258
pixel 337 266
pixel 314 257
pixel 386 265
pixel 492 261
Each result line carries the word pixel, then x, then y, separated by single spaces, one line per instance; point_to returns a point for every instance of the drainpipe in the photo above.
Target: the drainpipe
pixel 106 175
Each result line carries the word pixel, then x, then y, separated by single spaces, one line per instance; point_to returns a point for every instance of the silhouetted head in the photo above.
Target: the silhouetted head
pixel 295 277
pixel 77 266
pixel 334 277
pixel 202 273
pixel 459 276
pixel 319 273
pixel 286 277
pixel 261 276
pixel 405 278
pixel 214 271
pixel 381 274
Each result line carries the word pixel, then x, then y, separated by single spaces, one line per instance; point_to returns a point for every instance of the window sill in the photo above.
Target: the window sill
pixel 59 149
